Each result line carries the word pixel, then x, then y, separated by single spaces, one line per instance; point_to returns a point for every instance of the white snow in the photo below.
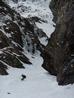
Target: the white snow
pixel 43 40
pixel 8 35
pixel 1 52
pixel 38 8
pixel 38 84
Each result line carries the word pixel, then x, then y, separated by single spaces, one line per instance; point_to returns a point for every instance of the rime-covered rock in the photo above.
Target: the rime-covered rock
pixel 18 35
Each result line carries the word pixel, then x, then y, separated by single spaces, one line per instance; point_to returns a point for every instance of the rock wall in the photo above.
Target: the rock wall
pixel 59 53
pixel 16 32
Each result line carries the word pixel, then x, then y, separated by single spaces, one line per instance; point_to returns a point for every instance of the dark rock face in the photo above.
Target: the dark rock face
pixel 59 53
pixel 3 68
pixel 16 32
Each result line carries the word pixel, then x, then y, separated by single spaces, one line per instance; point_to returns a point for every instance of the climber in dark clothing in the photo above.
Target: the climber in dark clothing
pixel 23 77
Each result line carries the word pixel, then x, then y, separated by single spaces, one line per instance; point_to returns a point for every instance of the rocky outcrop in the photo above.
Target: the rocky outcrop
pixel 17 35
pixel 59 53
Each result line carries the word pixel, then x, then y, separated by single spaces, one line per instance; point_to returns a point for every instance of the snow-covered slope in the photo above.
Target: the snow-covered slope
pixel 38 84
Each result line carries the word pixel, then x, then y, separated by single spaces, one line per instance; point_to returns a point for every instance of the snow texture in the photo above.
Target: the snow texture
pixel 38 83
pixel 36 8
pixel 39 8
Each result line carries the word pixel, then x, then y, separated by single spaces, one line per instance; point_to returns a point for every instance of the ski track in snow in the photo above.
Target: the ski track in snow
pixel 38 84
